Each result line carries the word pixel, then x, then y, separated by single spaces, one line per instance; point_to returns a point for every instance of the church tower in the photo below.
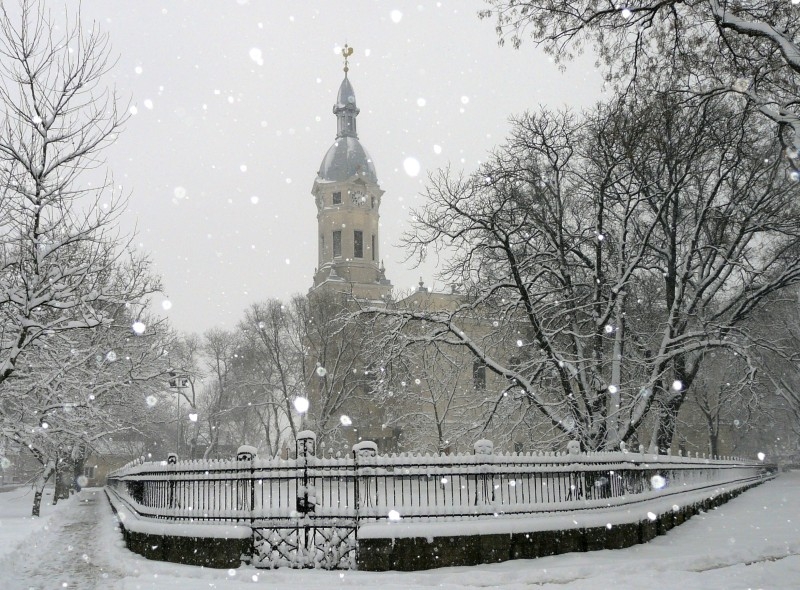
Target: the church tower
pixel 348 200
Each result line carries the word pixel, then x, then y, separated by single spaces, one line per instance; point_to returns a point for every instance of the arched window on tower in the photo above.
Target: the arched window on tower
pixel 337 244
pixel 358 244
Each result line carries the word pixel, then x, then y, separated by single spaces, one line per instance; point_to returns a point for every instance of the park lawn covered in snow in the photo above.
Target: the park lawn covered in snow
pixel 16 522
pixel 751 542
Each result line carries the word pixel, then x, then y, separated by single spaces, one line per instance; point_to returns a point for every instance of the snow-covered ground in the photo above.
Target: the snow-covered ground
pixel 751 542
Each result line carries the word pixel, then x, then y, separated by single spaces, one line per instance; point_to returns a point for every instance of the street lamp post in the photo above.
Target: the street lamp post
pixel 178 383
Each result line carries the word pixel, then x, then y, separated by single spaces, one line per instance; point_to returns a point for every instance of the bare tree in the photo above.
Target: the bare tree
pixel 339 366
pixel 435 396
pixel 220 349
pixel 725 400
pixel 276 350
pixel 713 46
pixel 59 240
pixel 80 389
pixel 65 270
pixel 184 380
pixel 610 253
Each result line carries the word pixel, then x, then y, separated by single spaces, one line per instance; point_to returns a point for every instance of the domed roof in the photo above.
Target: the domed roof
pixel 346 158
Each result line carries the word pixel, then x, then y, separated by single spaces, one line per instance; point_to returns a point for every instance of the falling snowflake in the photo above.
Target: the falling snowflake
pixel 411 166
pixel 256 56
pixel 138 328
pixel 301 404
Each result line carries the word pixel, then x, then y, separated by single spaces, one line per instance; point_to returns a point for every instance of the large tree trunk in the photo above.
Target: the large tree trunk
pixel 667 424
pixel 48 470
pixel 713 443
pixel 63 481
pixel 78 466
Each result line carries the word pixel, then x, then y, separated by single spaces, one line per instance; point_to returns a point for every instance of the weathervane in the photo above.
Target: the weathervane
pixel 347 51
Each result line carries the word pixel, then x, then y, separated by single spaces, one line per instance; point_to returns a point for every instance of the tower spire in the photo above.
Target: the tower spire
pixel 345 108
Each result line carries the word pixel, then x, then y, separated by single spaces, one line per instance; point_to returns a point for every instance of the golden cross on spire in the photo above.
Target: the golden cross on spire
pixel 347 51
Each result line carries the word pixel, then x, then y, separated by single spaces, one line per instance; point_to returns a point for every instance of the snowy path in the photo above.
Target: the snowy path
pixel 67 553
pixel 751 542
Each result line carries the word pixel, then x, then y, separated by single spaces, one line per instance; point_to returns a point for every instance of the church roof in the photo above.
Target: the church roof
pixel 345 159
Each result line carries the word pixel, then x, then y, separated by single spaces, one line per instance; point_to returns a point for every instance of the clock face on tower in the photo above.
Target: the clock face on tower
pixel 359 198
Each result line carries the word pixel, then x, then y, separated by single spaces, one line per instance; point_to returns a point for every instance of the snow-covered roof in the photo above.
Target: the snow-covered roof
pixel 347 158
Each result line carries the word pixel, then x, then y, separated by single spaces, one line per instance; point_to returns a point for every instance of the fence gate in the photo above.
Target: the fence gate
pixel 309 544
pixel 309 539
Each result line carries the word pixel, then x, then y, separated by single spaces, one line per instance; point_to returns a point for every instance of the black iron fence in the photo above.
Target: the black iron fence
pixel 306 511
pixel 415 487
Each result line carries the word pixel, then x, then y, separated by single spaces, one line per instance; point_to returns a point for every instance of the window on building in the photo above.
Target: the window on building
pixel 358 244
pixel 337 244
pixel 88 471
pixel 374 255
pixel 479 374
pixel 337 198
pixel 372 200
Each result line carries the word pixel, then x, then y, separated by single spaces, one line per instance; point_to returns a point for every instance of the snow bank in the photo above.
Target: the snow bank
pixel 153 526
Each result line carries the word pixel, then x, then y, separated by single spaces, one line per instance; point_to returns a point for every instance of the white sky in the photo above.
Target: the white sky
pixel 215 128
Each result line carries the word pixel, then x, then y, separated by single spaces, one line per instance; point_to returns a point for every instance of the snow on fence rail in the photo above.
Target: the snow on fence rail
pixel 368 487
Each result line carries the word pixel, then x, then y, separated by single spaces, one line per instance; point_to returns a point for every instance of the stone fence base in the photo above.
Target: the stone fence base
pixel 219 553
pixel 417 553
